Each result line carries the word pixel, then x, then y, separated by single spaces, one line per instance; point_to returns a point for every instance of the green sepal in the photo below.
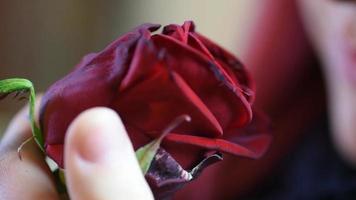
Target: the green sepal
pixel 146 154
pixel 18 85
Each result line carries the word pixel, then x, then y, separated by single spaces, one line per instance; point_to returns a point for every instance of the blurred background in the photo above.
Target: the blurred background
pixel 290 47
pixel 42 40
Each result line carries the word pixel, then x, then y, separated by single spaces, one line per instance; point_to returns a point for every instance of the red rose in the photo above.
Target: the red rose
pixel 150 80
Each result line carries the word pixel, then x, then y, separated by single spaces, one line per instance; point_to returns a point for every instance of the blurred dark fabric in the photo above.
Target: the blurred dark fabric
pixel 313 171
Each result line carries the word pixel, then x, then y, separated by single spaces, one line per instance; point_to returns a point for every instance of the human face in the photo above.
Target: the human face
pixel 331 25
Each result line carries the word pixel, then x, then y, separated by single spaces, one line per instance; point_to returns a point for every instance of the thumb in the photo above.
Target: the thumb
pixel 100 161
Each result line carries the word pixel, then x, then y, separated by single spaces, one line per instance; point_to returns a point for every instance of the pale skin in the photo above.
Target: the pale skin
pixel 100 161
pixel 331 25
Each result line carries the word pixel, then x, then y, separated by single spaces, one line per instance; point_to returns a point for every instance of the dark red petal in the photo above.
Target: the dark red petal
pixel 137 136
pixel 189 26
pixel 196 101
pixel 250 141
pixel 221 95
pixel 143 30
pixel 233 75
pixel 93 83
pixel 226 62
pixel 156 101
pixel 175 31
pixel 258 143
pixel 55 151
pixel 256 135
pixel 178 32
pixel 222 145
pixel 144 64
pixel 231 64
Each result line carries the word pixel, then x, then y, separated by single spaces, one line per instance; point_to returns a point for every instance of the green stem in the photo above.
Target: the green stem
pixel 37 134
pixel 12 85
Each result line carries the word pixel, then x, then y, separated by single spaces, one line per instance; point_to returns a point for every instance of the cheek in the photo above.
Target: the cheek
pixel 331 26
pixel 339 43
pixel 314 15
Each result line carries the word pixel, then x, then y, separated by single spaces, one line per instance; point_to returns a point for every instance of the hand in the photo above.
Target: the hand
pixel 99 160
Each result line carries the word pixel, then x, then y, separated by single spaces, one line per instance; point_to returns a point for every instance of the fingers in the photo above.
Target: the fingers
pixel 28 178
pixel 100 161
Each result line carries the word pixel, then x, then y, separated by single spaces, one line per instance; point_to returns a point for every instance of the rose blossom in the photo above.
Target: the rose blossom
pixel 149 80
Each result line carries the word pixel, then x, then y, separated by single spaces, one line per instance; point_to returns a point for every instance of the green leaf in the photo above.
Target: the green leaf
pixel 19 85
pixel 146 153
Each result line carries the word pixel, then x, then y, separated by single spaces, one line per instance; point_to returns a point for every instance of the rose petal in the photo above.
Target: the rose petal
pixel 166 176
pixel 187 35
pixel 143 64
pixel 220 95
pixel 231 64
pixel 181 33
pixel 260 144
pixel 195 100
pixel 156 101
pixel 85 87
